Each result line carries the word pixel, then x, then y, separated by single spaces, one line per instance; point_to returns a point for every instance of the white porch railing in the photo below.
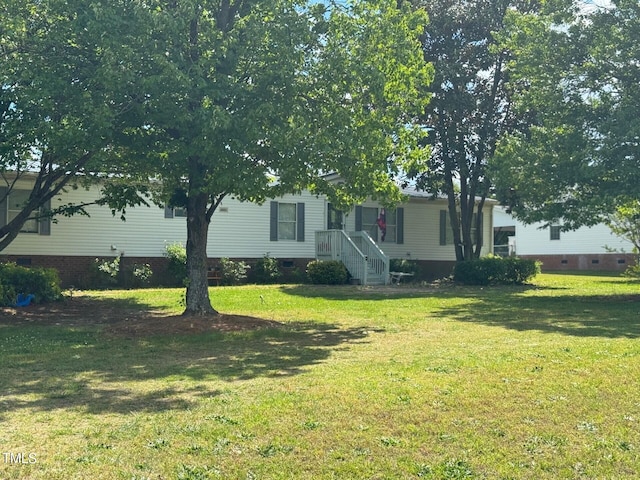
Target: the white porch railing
pixel 377 261
pixel 364 260
pixel 336 245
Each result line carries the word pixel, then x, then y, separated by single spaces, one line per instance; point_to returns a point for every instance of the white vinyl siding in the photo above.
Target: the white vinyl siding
pixel 421 232
pixel 533 239
pixel 237 230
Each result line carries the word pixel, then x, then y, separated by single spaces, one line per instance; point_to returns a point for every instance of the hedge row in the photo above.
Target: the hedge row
pixel 492 270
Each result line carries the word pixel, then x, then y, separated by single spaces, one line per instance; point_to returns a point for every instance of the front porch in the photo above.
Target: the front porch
pixel 365 261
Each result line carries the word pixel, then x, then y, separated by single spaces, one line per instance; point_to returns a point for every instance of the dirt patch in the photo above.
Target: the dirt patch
pixel 187 324
pixel 119 320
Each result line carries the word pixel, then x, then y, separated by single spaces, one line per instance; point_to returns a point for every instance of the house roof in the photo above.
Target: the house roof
pixel 413 192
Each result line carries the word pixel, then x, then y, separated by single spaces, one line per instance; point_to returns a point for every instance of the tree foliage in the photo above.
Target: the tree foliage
pixel 61 102
pixel 625 223
pixel 579 158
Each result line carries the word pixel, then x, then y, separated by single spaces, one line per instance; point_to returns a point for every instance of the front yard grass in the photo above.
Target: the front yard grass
pixel 534 382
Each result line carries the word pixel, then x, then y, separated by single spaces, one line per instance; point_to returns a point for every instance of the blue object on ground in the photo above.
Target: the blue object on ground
pixel 24 300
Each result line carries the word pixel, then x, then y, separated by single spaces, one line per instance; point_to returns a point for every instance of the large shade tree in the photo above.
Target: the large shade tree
pixel 579 159
pixel 469 110
pixel 253 99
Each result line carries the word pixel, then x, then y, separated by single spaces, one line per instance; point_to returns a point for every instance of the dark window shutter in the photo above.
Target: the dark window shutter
pixel 300 222
pixel 3 206
pixel 480 230
pixel 443 227
pixel 358 219
pixel 168 212
pixel 45 223
pixel 273 226
pixel 400 225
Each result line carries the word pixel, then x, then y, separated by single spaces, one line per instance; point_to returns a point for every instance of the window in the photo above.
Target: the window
pixel 554 232
pixel 16 200
pixel 287 221
pixel 171 212
pixel 383 225
pixel 11 205
pixel 446 231
pixel 369 219
pixel 180 212
pixel 391 224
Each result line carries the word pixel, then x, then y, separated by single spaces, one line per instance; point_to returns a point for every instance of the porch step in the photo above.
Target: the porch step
pixel 375 280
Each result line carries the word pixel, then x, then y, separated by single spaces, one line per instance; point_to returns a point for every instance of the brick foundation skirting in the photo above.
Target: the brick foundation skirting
pixel 76 271
pixel 606 262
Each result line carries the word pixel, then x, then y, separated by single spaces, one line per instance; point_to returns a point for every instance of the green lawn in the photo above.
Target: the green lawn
pixel 537 382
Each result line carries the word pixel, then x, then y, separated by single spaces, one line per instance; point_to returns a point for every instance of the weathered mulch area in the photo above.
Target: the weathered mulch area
pixel 126 322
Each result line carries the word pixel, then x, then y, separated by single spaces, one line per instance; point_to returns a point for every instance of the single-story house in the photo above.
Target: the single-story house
pixel 587 248
pixel 285 228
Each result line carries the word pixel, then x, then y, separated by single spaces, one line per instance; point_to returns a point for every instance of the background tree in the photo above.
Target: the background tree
pixel 578 160
pixel 253 99
pixel 470 107
pixel 61 102
pixel 625 223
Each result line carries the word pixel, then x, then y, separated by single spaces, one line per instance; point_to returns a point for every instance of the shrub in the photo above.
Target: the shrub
pixel 232 273
pixel 141 275
pixel 266 270
pixel 176 255
pixel 520 270
pixel 492 270
pixel 104 272
pixel 633 271
pixel 43 283
pixel 331 272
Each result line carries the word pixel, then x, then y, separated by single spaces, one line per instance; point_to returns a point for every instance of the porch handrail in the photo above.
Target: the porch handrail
pixel 377 260
pixel 336 245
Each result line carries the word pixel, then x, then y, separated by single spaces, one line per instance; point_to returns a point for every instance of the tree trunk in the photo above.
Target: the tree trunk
pixel 197 300
pixel 479 226
pixel 455 227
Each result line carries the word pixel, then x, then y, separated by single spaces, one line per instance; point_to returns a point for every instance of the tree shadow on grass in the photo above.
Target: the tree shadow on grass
pixel 72 367
pixel 548 310
pixel 611 316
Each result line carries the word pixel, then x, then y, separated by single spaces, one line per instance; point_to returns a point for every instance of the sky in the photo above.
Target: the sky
pixel 590 5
